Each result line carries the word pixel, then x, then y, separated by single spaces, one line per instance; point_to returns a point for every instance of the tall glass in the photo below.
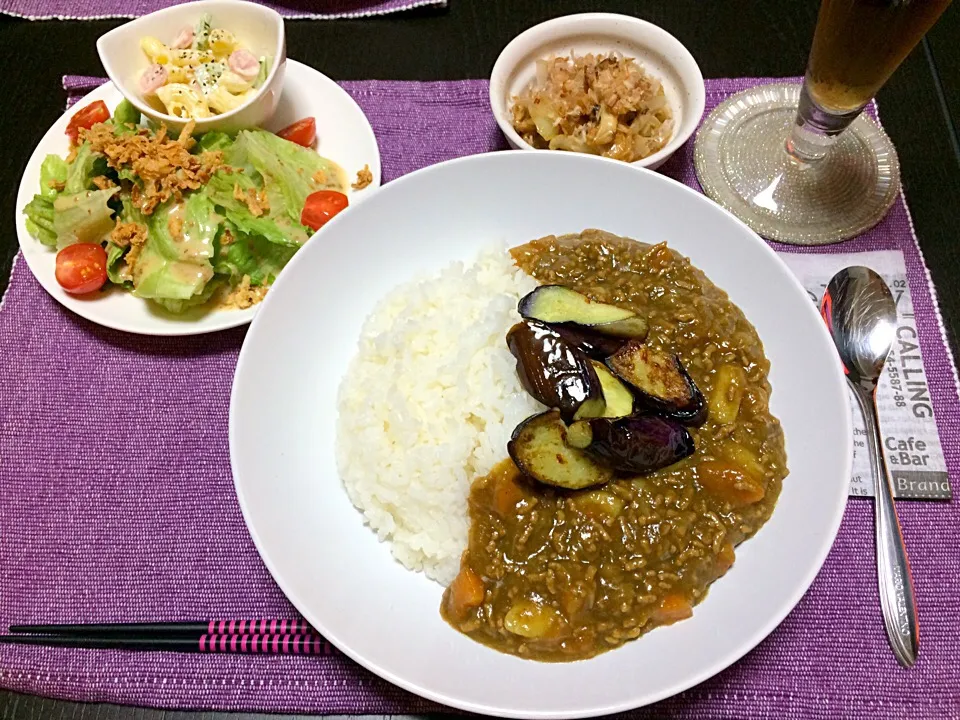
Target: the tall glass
pixel 802 164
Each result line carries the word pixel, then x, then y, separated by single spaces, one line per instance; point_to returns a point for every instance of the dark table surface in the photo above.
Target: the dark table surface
pixel 920 108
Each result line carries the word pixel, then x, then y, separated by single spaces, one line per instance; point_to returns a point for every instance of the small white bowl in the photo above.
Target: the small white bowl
pixel 659 52
pixel 258 29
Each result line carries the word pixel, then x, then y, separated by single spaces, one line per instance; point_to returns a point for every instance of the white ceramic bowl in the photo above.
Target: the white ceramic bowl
pixel 258 28
pixel 283 414
pixel 660 53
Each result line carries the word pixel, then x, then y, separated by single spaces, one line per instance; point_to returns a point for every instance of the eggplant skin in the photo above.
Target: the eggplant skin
pixel 695 413
pixel 540 450
pixel 662 383
pixel 557 304
pixel 639 444
pixel 595 344
pixel 554 372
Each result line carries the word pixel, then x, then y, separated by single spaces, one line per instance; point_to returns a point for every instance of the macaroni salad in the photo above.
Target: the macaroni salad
pixel 205 71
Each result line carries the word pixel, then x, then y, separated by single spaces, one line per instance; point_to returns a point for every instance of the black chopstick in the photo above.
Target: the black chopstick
pixel 310 644
pixel 170 630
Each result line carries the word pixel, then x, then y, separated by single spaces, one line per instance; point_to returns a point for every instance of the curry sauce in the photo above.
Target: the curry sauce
pixel 557 575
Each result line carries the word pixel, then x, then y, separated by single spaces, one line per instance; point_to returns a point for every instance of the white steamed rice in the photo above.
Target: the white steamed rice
pixel 429 403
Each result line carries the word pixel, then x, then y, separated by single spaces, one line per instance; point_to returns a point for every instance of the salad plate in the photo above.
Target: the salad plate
pixel 344 136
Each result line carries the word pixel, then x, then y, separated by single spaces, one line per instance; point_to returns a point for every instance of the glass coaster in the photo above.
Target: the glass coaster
pixel 741 164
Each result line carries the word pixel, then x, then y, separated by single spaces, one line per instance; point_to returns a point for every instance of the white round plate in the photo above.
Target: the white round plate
pixel 344 135
pixel 331 566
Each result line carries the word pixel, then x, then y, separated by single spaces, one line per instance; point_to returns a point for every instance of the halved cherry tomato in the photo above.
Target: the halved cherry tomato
pixel 302 132
pixel 321 206
pixel 95 112
pixel 81 268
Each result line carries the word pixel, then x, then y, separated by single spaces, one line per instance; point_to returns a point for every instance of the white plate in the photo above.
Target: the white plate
pixel 344 135
pixel 331 566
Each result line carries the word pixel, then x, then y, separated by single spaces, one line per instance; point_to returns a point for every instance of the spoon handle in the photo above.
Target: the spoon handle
pixel 893 569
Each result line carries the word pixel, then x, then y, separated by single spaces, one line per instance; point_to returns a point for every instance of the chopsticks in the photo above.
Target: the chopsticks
pixel 275 637
pixel 173 629
pixel 249 644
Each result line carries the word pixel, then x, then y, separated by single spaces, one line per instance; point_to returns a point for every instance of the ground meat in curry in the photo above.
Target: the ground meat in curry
pixel 557 575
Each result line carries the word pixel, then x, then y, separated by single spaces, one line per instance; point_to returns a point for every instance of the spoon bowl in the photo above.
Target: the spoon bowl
pixel 861 316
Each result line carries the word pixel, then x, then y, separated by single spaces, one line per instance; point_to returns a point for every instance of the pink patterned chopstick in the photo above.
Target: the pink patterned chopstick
pixel 183 630
pixel 249 644
pixel 267 636
pixel 265 644
pixel 263 626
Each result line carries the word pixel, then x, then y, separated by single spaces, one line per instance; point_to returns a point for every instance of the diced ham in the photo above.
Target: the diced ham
pixel 184 39
pixel 243 63
pixel 153 78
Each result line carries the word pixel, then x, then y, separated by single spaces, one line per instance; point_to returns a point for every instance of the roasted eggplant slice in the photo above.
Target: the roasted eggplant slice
pixel 555 372
pixel 655 374
pixel 635 445
pixel 663 382
pixel 595 344
pixel 559 304
pixel 617 398
pixel 539 448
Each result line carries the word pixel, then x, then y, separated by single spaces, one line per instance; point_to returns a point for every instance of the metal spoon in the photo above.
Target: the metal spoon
pixel 861 316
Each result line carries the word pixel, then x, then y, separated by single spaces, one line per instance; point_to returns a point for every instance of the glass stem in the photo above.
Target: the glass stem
pixel 815 129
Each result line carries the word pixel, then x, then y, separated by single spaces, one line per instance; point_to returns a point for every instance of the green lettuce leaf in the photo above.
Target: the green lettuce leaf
pixel 85 167
pixel 214 140
pixel 40 220
pixel 116 268
pixel 125 173
pixel 130 213
pixel 276 227
pixel 125 115
pixel 179 268
pixel 39 211
pixel 288 171
pixel 278 230
pixel 201 225
pixel 53 169
pixel 285 171
pixel 82 217
pixel 253 255
pixel 180 306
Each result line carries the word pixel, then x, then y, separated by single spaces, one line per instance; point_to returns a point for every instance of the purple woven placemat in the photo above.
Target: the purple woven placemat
pixel 294 9
pixel 116 503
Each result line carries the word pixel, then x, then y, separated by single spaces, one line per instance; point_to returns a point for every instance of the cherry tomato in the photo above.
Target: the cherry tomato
pixel 321 206
pixel 81 268
pixel 86 118
pixel 302 132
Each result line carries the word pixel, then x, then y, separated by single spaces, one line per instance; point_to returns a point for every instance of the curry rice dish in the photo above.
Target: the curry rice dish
pixel 652 453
